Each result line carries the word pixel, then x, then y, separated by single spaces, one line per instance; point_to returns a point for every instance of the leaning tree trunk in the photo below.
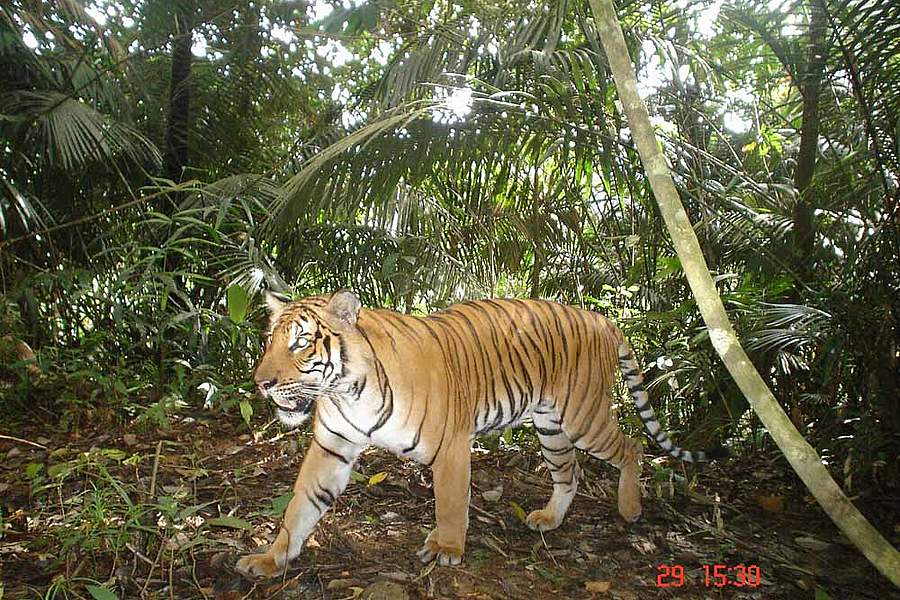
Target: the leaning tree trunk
pixel 799 453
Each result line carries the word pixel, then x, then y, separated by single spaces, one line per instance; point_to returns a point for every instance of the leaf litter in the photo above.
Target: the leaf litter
pixel 79 513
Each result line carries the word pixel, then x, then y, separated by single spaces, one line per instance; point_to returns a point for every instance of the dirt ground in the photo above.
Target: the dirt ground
pixel 166 513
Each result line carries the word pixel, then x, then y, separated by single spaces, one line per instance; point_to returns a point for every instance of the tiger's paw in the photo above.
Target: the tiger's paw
pixel 630 508
pixel 257 565
pixel 443 553
pixel 543 520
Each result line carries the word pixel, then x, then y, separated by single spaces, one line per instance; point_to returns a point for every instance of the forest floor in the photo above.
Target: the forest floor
pixel 109 513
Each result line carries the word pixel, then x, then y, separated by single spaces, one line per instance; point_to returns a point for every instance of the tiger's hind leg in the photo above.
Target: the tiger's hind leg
pixel 624 453
pixel 559 456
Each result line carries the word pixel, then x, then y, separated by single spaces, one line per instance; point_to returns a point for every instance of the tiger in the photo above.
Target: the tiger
pixel 423 387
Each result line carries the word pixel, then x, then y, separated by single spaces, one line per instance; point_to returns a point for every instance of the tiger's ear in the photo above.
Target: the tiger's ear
pixel 276 303
pixel 345 306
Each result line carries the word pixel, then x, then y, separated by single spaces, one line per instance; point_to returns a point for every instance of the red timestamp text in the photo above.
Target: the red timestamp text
pixel 716 575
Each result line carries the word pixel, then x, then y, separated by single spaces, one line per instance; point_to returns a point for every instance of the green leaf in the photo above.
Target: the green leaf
pixel 114 454
pixel 377 478
pixel 238 300
pixel 231 522
pixel 246 411
pixel 822 594
pixel 358 477
pixel 517 510
pixel 100 593
pixel 279 504
pixel 61 469
pixel 32 470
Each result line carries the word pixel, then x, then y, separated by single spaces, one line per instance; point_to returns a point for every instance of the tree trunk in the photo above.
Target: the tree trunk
pixel 176 158
pixel 799 453
pixel 178 125
pixel 810 86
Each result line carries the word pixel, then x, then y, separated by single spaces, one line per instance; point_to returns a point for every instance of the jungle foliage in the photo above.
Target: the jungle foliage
pixel 164 163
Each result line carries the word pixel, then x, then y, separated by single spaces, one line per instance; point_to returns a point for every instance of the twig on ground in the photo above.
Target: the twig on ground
pixel 171 578
pixel 478 509
pixel 493 546
pixel 194 575
pixel 250 593
pixel 155 469
pixel 138 553
pixel 283 586
pixel 152 568
pixel 547 548
pixel 13 438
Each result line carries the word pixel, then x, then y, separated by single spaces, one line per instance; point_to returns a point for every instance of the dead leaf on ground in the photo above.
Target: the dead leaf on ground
pixel 599 587
pixel 644 546
pixel 492 495
pixel 770 503
pixel 341 584
pixel 385 590
pixel 811 543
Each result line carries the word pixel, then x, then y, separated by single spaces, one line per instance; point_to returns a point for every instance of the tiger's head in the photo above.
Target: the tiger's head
pixel 312 349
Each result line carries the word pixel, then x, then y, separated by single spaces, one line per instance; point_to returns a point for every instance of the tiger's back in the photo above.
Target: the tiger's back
pixel 484 365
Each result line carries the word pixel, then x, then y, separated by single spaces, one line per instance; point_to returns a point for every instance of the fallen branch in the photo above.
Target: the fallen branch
pixel 21 441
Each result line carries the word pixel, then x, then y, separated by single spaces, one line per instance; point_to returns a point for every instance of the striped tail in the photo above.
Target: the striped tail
pixel 634 379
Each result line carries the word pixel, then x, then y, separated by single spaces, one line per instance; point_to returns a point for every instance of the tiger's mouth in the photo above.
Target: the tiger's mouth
pixel 292 414
pixel 290 405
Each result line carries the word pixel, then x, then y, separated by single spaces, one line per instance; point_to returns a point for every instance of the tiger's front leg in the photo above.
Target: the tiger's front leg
pixel 452 472
pixel 323 476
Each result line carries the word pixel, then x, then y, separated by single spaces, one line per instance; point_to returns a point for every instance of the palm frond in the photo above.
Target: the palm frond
pixel 69 134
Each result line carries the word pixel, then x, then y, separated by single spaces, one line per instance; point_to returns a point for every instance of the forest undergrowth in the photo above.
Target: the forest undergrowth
pixel 114 510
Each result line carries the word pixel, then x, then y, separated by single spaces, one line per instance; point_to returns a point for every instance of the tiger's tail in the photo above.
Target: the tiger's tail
pixel 634 379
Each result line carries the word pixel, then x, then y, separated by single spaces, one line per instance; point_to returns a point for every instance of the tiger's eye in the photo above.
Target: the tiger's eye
pixel 300 344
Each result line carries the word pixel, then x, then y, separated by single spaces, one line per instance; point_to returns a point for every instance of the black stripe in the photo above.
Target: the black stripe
pixel 543 431
pixel 441 443
pixel 635 387
pixel 325 496
pixel 337 405
pixel 312 501
pixel 359 388
pixel 556 451
pixel 337 455
pixel 558 467
pixel 478 352
pixel 415 441
pixel 514 346
pixel 333 432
